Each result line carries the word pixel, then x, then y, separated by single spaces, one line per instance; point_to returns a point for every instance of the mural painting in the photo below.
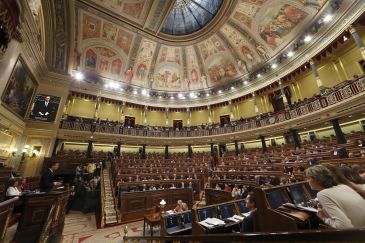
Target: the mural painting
pixel 103 60
pixel 278 22
pixel 91 27
pixel 246 11
pixel 194 76
pixel 134 8
pixel 109 31
pixel 170 54
pixel 143 62
pixel 124 40
pixel 168 77
pixel 246 50
pixel 210 47
pixel 220 68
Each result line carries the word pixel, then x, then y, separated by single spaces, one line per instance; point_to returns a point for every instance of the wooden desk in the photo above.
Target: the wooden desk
pixel 151 220
pixel 134 205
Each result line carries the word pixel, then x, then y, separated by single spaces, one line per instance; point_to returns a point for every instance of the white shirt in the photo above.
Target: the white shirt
pixel 344 207
pixel 12 191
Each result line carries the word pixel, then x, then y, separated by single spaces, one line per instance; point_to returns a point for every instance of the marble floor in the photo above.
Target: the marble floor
pixel 81 228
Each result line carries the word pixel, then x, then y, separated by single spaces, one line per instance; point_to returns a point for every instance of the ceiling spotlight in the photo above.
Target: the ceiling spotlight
pixel 207 95
pixel 274 65
pixel 160 97
pixel 106 85
pixel 219 91
pixel 327 18
pixel 191 95
pixel 308 38
pixel 144 92
pixel 345 38
pixel 79 76
pixel 259 75
pixel 290 54
pixel 245 82
pixel 135 92
pixel 172 97
pixel 180 95
pixel 233 88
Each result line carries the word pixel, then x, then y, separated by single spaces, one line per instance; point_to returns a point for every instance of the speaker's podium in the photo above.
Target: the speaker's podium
pixel 218 218
pixel 176 223
pixel 286 208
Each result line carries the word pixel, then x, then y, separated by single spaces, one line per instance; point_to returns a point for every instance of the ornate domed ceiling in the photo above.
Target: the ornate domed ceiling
pixel 188 16
pixel 123 48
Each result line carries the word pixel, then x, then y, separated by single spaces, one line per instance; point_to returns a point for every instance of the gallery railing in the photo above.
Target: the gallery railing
pixel 331 97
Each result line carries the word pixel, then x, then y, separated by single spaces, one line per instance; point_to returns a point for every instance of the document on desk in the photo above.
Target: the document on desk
pixel 308 209
pixel 212 222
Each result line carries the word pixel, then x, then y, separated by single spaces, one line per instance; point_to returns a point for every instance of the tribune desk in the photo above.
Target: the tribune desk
pixel 282 208
pixel 222 211
pixel 176 223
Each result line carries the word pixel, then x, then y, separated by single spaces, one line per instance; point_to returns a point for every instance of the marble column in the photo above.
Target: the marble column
pixel 316 75
pixel 166 151
pixel 145 114
pixel 209 114
pixel 167 116
pixel 339 134
pixel 358 40
pixel 263 142
pixel 255 104
pixel 231 115
pixel 190 151
pixel 236 148
pixel 282 93
pixel 188 116
pixel 295 137
pixel 89 149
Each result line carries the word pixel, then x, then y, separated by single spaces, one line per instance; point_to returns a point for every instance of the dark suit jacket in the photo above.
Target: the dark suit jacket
pixel 47 180
pixel 248 224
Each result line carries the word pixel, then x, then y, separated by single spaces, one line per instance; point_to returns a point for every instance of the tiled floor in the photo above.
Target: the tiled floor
pixel 81 228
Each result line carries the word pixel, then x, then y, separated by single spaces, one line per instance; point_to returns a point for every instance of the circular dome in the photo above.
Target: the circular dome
pixel 188 16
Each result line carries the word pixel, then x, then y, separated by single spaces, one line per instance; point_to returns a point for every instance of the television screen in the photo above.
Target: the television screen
pixel 205 213
pixel 297 194
pixel 312 192
pixel 171 221
pixel 187 218
pixel 226 211
pixel 277 198
pixel 242 206
pixel 44 108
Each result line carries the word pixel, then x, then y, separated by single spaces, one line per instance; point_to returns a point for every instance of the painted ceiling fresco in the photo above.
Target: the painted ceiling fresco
pixel 254 32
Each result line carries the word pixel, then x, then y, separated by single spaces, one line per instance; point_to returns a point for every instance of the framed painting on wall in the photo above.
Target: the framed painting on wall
pixel 19 90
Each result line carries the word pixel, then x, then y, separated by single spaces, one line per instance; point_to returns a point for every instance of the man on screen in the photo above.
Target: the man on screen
pixel 44 109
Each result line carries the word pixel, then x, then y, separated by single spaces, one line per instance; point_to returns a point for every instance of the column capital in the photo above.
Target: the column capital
pixel 208 107
pixel 253 94
pixel 146 107
pixel 351 29
pixel 188 109
pixel 311 62
pixel 230 102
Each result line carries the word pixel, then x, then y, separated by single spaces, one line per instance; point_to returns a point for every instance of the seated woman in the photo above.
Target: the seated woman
pixel 180 207
pixel 13 190
pixel 339 206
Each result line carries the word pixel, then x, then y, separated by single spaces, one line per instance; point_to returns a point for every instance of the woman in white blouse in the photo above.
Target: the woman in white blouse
pixel 13 190
pixel 340 206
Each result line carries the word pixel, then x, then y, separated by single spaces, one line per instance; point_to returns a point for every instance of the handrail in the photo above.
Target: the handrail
pixel 348 90
pixel 102 198
pixel 332 235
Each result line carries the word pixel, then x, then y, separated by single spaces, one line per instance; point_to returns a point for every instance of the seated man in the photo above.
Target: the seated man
pixel 249 221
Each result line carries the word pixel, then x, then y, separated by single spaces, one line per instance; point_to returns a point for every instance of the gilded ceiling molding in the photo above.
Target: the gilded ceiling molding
pixel 57 32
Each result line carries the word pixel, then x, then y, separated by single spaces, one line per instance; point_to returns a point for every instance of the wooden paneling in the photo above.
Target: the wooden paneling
pixel 134 205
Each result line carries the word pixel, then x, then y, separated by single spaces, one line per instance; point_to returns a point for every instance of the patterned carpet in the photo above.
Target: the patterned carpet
pixel 81 228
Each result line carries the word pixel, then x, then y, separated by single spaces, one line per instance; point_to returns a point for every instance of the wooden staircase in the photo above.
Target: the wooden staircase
pixel 108 204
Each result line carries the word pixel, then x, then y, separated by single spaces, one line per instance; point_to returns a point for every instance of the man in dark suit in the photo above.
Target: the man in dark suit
pixel 48 180
pixel 249 222
pixel 44 109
